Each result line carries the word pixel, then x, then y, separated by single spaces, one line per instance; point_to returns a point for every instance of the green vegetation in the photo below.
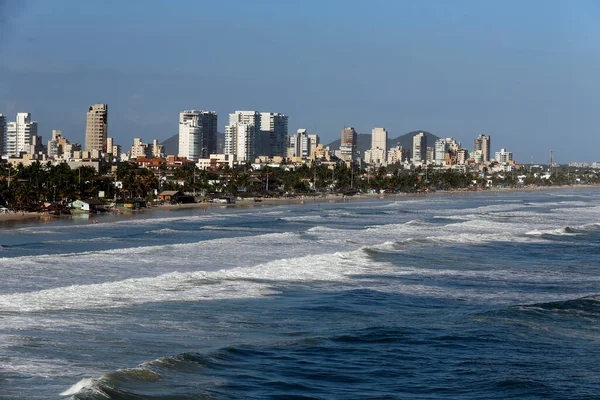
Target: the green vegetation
pixel 26 187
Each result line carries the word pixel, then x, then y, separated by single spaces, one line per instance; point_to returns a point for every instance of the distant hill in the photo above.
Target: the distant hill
pixel 171 145
pixel 406 141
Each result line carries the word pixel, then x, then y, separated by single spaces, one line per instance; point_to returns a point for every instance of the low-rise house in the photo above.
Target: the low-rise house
pixel 89 205
pixel 175 196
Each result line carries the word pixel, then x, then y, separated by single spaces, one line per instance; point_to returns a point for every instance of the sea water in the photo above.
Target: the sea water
pixel 484 296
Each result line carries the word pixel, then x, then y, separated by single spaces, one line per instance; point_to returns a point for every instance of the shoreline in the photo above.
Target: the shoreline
pixel 8 220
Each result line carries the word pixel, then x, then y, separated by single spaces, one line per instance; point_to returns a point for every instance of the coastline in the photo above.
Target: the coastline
pixel 10 219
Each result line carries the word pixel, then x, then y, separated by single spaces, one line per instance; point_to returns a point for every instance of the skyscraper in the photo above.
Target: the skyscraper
pixel 274 126
pixel 96 129
pixel 377 154
pixel 419 147
pixel 240 141
pixel 197 134
pixel 483 143
pixel 348 144
pixel 19 134
pixel 379 137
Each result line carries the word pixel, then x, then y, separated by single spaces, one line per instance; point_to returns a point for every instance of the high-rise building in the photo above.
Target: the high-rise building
pixel 299 145
pixel 2 132
pixel 53 143
pixel 483 143
pixel 157 149
pixel 19 134
pixel 197 134
pixel 240 141
pixel 348 144
pixel 419 153
pixel 377 155
pixel 240 134
pixel 274 128
pixel 441 148
pixel 314 141
pixel 96 129
pixel 379 138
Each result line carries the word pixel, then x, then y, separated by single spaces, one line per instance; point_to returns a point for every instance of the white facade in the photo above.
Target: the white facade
pixel 19 134
pixel 190 132
pixel 441 148
pixel 504 156
pixel 394 155
pixel 140 149
pixel 379 138
pixel 299 145
pixel 216 160
pixel 240 134
pixel 240 141
pixel 246 117
pixel 377 155
pixel 197 133
pixel 419 147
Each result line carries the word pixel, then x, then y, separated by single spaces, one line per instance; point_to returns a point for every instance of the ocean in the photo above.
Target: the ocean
pixel 491 295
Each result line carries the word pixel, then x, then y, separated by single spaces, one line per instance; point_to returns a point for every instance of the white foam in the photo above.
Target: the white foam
pixel 302 218
pixel 163 231
pixel 553 232
pixel 86 383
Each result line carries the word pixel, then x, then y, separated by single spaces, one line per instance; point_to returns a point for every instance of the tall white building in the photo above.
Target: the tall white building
pixel 419 152
pixel 299 145
pixel 240 141
pixel 379 138
pixel 274 128
pixel 197 134
pixel 240 135
pixel 377 155
pixel 19 134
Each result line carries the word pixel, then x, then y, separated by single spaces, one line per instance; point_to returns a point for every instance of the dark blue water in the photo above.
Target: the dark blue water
pixel 480 296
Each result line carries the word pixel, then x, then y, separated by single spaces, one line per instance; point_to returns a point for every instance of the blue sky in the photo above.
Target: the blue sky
pixel 525 72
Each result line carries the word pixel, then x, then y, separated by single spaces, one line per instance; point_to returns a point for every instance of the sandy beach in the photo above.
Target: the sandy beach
pixel 9 219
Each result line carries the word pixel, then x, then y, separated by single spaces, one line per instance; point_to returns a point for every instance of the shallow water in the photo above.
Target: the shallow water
pixel 488 295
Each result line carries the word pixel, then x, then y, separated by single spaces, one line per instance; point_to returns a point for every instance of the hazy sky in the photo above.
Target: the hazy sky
pixel 525 72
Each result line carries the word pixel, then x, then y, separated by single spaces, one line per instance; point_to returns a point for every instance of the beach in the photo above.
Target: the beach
pixel 12 218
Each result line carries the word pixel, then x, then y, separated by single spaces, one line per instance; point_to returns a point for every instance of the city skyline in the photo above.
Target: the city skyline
pixel 454 69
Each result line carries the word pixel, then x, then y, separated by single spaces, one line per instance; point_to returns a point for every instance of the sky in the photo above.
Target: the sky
pixel 527 73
